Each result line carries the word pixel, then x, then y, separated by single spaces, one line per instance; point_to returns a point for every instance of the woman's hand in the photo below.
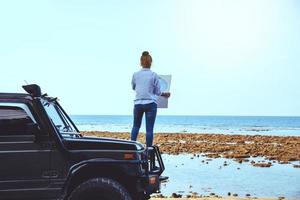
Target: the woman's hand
pixel 166 94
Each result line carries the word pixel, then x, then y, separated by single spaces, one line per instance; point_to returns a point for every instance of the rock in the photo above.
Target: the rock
pixel 240 156
pixel 235 195
pixel 174 195
pixel 240 161
pixel 159 196
pixel 284 162
pixel 262 164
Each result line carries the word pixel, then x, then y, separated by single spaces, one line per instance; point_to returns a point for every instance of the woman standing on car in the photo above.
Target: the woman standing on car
pixel 146 85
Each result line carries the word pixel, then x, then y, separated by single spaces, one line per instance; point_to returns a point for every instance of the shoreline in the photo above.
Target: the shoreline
pixel 246 149
pixel 241 148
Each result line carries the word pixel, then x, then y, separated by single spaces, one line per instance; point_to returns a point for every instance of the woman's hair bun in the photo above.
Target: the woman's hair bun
pixel 145 53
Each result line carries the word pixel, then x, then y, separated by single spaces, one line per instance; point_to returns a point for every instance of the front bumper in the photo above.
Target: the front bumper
pixel 154 167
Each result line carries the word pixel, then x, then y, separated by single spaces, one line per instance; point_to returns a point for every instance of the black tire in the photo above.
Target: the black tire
pixel 100 189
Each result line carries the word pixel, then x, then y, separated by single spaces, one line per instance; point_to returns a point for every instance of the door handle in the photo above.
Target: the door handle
pixel 50 174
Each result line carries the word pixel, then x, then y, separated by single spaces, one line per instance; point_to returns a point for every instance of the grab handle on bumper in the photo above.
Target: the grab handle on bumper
pixel 154 154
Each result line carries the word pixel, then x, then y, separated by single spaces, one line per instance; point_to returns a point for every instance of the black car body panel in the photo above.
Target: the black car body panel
pixel 43 159
pixel 91 143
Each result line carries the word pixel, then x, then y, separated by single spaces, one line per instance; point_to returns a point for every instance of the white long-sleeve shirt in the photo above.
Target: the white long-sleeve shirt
pixel 146 85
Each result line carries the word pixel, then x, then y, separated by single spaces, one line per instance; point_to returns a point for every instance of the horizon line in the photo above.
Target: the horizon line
pixel 191 115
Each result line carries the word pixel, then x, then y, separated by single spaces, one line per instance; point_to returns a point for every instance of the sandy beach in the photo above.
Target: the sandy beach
pixel 241 148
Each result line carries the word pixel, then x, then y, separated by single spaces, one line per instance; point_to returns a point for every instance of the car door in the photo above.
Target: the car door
pixel 24 159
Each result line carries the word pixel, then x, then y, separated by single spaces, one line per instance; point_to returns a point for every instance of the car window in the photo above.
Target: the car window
pixel 55 118
pixel 59 119
pixel 14 121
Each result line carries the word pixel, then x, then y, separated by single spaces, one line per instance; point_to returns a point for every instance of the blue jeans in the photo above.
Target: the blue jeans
pixel 150 111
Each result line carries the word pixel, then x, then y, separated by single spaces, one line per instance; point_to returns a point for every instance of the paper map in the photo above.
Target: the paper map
pixel 165 82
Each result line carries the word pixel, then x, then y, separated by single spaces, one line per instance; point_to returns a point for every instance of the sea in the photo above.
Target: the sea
pixel 246 125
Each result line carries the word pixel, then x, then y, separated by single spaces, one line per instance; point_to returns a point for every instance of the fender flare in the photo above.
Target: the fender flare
pixel 76 168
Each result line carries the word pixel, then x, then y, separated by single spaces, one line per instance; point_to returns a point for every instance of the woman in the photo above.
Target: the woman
pixel 146 85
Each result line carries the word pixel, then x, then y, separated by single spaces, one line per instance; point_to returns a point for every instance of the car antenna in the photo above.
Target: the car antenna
pixel 26 82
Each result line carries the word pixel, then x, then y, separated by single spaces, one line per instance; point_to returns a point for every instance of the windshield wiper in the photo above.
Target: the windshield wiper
pixel 75 135
pixel 67 128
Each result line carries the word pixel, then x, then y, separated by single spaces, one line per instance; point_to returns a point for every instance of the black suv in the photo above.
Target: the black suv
pixel 44 156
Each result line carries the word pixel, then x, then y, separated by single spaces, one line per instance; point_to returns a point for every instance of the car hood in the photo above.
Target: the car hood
pixel 93 143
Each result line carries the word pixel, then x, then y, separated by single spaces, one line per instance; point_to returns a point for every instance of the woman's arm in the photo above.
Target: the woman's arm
pixel 166 94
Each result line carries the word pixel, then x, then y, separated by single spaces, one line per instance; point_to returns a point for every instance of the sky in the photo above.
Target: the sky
pixel 226 57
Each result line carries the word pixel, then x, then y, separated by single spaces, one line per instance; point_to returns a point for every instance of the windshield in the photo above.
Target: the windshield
pixel 61 122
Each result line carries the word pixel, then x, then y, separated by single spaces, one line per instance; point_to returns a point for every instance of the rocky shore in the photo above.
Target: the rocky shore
pixel 238 147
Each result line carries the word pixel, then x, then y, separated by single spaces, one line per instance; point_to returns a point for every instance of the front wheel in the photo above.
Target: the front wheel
pixel 100 189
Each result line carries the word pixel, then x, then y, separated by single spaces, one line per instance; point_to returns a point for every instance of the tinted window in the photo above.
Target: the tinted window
pixel 14 121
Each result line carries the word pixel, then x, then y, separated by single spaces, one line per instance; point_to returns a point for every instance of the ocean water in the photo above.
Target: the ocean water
pixel 188 175
pixel 251 125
